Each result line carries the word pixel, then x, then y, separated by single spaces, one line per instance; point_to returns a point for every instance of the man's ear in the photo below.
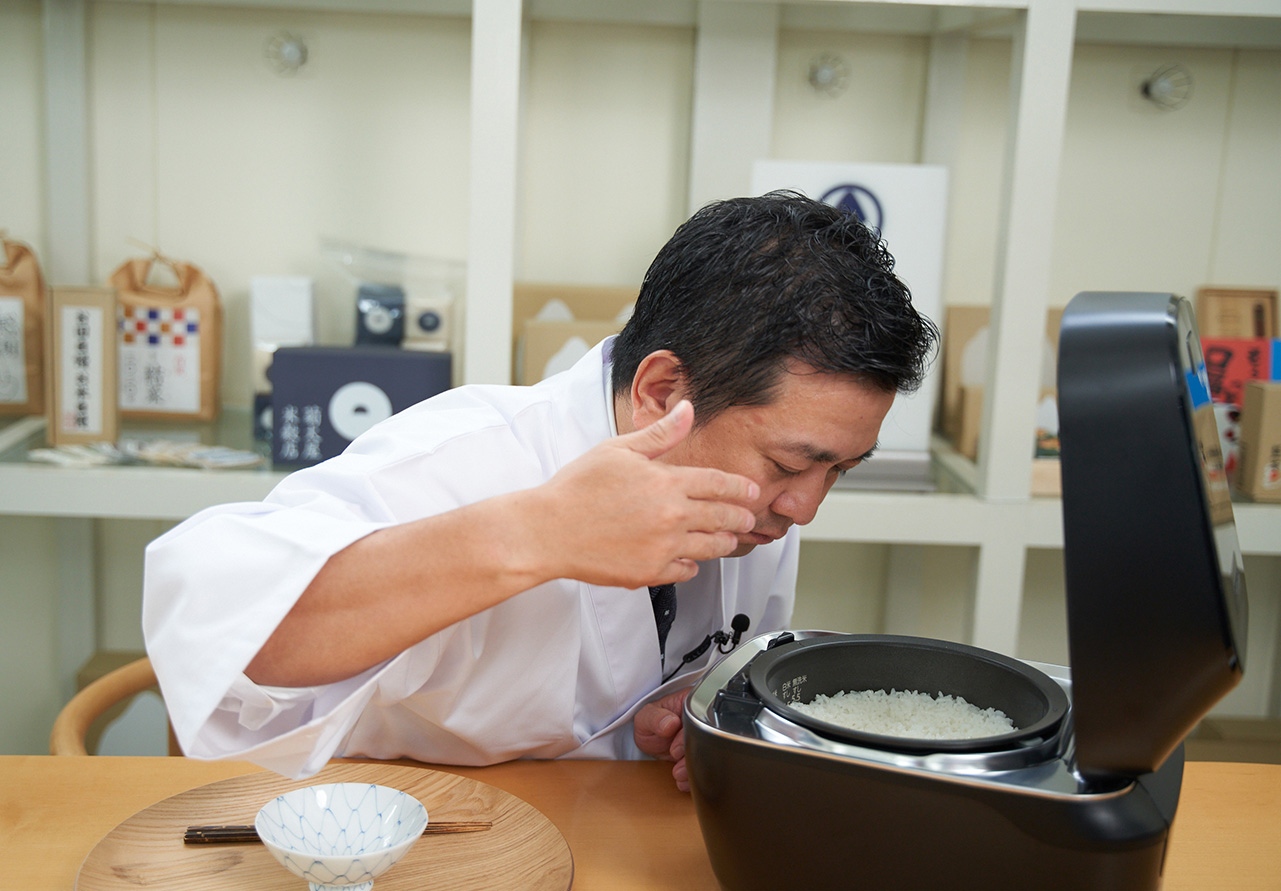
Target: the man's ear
pixel 659 383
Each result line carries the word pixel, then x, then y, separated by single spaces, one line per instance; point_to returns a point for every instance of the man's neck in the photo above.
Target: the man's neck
pixel 622 415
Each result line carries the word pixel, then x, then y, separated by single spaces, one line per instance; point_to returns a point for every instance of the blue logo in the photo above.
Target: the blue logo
pixel 857 200
pixel 1198 386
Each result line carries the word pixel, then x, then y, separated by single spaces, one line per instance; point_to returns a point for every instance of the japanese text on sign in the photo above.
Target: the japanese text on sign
pixel 299 431
pixel 82 380
pixel 13 368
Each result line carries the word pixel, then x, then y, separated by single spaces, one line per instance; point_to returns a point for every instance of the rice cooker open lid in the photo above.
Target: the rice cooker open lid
pixel 1156 597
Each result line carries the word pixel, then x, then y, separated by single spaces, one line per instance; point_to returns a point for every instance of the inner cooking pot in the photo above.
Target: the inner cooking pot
pixel 797 672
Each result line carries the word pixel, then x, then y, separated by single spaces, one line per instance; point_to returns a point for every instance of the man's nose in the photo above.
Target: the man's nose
pixel 802 495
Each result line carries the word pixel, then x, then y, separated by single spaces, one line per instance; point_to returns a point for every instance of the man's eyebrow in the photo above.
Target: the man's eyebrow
pixel 822 456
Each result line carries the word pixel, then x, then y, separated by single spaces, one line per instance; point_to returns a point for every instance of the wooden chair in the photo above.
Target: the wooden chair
pixel 96 699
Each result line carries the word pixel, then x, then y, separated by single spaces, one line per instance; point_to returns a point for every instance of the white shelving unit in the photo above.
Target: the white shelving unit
pixel 734 81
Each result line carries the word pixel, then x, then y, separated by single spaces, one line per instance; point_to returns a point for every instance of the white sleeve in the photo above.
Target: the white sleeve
pixel 215 588
pixel 291 731
pixel 295 731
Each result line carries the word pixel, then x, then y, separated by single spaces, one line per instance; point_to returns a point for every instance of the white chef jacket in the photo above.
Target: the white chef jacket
pixel 556 671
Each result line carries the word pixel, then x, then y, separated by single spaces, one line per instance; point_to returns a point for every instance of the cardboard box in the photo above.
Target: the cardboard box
pixel 1047 477
pixel 965 361
pixel 1045 470
pixel 1236 312
pixel 1259 477
pixel 965 346
pixel 970 419
pixel 547 348
pixel 82 343
pixel 961 326
pixel 542 346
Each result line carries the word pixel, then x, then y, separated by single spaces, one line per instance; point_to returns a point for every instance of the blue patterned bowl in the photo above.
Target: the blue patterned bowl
pixel 341 835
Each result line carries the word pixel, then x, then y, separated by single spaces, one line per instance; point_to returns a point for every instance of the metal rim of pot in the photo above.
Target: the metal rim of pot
pixel 798 671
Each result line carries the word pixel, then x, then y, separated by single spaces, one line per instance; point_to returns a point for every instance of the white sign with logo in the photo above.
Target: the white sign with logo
pixel 908 204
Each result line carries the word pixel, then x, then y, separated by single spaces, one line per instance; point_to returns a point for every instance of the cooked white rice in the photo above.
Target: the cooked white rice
pixel 907 713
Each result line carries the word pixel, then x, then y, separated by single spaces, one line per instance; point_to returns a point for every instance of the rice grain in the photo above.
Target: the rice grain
pixel 907 713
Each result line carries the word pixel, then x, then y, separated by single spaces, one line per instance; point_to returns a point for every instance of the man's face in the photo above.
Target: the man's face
pixel 794 448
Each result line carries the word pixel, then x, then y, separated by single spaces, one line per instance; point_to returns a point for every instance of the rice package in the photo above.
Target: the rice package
pixel 22 308
pixel 170 342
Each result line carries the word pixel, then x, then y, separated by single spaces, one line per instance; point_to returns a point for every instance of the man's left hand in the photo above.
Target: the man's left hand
pixel 659 731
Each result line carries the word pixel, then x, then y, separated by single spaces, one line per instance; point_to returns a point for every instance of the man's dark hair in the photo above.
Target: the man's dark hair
pixel 746 284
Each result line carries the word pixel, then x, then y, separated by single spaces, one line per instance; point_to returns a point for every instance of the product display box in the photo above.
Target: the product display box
pixel 82 401
pixel 1259 473
pixel 380 315
pixel 1231 362
pixel 1236 313
pixel 554 325
pixel 429 319
pixel 324 397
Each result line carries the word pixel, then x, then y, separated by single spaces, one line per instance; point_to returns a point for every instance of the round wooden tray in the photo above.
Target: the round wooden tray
pixel 522 849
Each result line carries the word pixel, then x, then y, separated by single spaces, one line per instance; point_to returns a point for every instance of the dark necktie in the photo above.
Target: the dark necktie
pixel 663 599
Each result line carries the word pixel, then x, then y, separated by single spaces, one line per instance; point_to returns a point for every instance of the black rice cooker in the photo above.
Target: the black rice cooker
pixel 1083 793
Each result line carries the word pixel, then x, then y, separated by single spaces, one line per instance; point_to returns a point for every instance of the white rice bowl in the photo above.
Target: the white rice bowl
pixel 907 713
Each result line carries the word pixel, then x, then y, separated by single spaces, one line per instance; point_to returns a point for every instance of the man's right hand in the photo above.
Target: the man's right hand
pixel 616 516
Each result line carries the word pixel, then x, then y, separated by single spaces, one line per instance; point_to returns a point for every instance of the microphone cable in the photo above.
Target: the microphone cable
pixel 738 625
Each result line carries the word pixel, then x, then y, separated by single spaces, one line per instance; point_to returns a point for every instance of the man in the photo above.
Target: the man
pixel 470 581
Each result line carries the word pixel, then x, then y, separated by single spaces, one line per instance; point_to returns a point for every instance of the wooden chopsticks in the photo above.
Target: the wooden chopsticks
pixel 239 834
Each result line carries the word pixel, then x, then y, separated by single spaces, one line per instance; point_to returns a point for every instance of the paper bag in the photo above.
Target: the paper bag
pixel 22 297
pixel 170 343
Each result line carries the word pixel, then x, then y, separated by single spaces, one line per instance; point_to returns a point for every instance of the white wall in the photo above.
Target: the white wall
pixel 1159 200
pixel 21 122
pixel 605 153
pixel 841 587
pixel 877 124
pixel 30 695
pixel 28 566
pixel 199 147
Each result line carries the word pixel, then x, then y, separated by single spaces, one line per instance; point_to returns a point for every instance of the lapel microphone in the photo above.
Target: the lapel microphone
pixel 738 625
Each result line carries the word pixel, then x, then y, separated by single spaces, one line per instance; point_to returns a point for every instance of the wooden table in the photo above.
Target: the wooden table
pixel 625 823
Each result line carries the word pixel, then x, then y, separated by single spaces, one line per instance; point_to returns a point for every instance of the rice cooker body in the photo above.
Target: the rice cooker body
pixel 813 811
pixel 777 818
